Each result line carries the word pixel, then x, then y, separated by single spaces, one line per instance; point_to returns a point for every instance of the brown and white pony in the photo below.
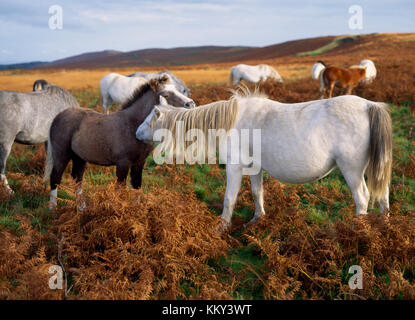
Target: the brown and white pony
pixel 83 135
pixel 347 77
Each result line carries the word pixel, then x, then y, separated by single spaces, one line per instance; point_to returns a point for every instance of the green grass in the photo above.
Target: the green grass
pixel 330 46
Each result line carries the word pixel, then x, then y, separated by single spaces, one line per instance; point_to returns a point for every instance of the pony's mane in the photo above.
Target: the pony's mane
pixel 152 84
pixel 52 90
pixel 242 91
pixel 216 115
pixel 137 94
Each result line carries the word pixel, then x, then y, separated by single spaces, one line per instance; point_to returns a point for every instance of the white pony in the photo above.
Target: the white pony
pixel 253 74
pixel 317 68
pixel 370 70
pixel 118 88
pixel 300 143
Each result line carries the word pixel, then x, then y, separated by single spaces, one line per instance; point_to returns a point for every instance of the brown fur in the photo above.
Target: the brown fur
pixel 348 78
pixel 83 135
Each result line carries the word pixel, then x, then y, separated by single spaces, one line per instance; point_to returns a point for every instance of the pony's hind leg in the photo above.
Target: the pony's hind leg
pixel 78 169
pixel 233 184
pixel 4 154
pixel 384 203
pixel 59 165
pixel 355 180
pixel 258 192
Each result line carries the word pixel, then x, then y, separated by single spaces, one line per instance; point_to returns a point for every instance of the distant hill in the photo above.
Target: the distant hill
pixel 366 44
pixel 185 55
pixel 26 65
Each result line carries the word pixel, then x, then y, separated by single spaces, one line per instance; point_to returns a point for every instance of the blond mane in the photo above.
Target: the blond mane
pixel 217 115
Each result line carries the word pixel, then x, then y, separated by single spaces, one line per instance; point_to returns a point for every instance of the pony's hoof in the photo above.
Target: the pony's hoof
pixel 52 206
pixel 223 227
pixel 82 206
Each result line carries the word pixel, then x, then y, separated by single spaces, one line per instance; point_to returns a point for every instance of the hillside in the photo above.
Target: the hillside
pixel 185 55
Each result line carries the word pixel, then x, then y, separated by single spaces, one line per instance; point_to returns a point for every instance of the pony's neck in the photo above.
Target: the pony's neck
pixel 142 107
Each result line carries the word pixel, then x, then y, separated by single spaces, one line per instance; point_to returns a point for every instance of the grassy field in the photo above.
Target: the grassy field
pixel 160 242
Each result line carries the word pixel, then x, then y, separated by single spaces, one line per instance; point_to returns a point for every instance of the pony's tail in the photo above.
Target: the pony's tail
pixel 49 160
pixel 380 150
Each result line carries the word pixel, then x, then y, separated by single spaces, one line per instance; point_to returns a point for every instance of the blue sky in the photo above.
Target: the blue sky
pixel 129 25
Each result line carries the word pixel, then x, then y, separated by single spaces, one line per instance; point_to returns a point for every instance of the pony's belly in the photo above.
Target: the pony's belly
pixel 29 139
pixel 298 169
pixel 92 150
pixel 299 176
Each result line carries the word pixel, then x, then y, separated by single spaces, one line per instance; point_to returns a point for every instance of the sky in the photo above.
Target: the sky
pixel 125 25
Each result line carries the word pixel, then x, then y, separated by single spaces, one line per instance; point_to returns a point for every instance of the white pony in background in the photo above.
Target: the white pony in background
pixel 300 143
pixel 317 68
pixel 253 74
pixel 118 88
pixel 370 70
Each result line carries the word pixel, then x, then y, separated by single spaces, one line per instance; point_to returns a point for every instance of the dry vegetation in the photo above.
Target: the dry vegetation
pixel 160 242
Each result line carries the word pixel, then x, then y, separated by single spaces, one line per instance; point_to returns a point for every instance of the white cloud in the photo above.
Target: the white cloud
pixel 6 52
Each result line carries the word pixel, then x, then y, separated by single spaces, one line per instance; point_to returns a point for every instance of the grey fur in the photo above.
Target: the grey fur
pixel 27 116
pixel 179 84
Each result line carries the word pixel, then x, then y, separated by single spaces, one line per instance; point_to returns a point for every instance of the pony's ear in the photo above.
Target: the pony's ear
pixel 164 78
pixel 157 112
pixel 154 85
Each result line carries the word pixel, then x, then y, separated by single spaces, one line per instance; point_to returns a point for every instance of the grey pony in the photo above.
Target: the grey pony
pixel 179 84
pixel 25 118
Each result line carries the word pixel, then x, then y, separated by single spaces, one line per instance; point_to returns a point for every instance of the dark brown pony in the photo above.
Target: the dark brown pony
pixel 83 135
pixel 348 78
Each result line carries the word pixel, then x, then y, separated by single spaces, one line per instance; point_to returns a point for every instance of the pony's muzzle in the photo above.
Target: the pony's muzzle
pixel 190 104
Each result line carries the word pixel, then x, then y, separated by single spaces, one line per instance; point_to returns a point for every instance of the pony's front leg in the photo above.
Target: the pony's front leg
pixel 331 87
pixel 258 192
pixel 349 89
pixel 233 184
pixel 6 184
pixel 106 102
pixel 121 171
pixel 4 154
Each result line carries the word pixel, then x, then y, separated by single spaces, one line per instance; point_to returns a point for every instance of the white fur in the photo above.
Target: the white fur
pixel 6 183
pixel 370 70
pixel 253 73
pixel 53 200
pixel 317 69
pixel 118 88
